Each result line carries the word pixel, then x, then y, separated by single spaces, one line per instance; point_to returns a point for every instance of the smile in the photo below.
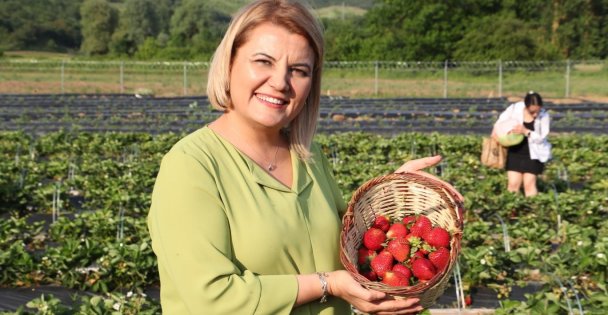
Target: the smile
pixel 272 100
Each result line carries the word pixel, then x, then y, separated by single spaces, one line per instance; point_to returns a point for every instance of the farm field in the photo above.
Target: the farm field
pixel 73 207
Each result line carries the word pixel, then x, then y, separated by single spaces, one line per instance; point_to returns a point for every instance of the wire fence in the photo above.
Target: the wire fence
pixel 559 79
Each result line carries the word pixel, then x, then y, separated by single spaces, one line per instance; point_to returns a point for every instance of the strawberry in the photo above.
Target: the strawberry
pixel 382 222
pixel 365 256
pixel 440 258
pixel 438 237
pixel 417 254
pixel 409 220
pixel 399 248
pixel 422 226
pixel 395 279
pixel 374 238
pixel 397 230
pixel 468 300
pixel 423 269
pixel 370 275
pixel 382 263
pixel 403 269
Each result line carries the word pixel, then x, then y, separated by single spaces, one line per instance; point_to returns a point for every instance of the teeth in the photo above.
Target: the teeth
pixel 270 99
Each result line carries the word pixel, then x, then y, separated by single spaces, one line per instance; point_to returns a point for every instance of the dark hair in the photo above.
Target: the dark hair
pixel 533 98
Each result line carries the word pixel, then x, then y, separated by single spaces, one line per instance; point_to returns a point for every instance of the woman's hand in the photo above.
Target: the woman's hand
pixel 521 129
pixel 341 284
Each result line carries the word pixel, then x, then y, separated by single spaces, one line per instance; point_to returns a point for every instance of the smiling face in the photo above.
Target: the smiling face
pixel 270 77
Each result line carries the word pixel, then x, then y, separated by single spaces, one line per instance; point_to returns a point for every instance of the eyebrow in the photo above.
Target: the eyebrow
pixel 300 64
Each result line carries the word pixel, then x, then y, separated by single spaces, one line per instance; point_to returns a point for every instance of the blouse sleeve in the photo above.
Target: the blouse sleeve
pixel 539 135
pixel 191 238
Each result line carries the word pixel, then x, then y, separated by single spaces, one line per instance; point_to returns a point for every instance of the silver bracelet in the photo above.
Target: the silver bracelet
pixel 323 279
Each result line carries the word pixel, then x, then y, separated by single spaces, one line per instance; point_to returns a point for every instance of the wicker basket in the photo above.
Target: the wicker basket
pixel 398 195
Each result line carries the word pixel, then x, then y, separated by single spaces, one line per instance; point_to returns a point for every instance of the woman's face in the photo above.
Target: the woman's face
pixel 533 110
pixel 271 76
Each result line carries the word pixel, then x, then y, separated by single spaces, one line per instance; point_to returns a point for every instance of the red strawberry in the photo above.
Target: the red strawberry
pixel 365 256
pixel 382 222
pixel 409 220
pixel 400 249
pixel 422 226
pixel 382 263
pixel 374 238
pixel 370 275
pixel 403 269
pixel 423 269
pixel 397 230
pixel 440 258
pixel 417 254
pixel 395 279
pixel 438 237
pixel 468 300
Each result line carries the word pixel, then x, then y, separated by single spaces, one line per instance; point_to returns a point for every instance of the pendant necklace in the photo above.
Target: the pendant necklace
pixel 273 165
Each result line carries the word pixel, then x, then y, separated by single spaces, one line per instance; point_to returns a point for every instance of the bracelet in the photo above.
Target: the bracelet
pixel 323 279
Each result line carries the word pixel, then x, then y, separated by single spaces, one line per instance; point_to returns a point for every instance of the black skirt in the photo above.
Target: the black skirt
pixel 518 157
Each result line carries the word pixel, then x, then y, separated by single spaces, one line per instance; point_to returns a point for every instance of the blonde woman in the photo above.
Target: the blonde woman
pixel 246 215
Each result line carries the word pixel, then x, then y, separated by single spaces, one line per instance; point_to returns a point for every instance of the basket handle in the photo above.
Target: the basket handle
pixel 452 192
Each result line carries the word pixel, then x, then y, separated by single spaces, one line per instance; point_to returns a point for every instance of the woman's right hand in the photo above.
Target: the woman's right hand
pixel 341 284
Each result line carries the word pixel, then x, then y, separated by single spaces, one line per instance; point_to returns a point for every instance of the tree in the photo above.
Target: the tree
pixel 199 26
pixel 98 20
pixel 493 38
pixel 138 21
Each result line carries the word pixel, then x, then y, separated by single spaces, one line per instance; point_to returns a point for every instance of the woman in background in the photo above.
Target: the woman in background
pixel 526 160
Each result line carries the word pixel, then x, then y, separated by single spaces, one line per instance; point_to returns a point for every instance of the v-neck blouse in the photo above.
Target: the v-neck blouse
pixel 230 238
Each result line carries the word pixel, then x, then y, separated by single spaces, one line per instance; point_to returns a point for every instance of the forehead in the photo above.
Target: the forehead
pixel 277 42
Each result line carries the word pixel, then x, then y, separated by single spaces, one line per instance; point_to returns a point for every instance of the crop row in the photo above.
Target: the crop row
pixel 127 113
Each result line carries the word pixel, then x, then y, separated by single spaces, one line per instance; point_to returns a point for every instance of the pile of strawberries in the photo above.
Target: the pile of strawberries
pixel 403 252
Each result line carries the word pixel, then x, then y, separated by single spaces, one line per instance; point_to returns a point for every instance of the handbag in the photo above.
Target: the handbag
pixel 493 154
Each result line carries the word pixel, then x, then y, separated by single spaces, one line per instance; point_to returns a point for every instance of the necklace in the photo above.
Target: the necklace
pixel 272 165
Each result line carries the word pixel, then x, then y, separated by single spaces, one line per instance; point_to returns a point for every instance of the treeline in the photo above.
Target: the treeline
pixel 429 30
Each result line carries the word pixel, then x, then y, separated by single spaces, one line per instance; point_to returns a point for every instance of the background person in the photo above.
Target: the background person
pixel 246 215
pixel 526 160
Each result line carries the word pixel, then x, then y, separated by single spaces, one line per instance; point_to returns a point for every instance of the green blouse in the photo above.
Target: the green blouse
pixel 230 238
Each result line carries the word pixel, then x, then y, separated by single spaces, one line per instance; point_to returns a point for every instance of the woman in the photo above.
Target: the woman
pixel 526 160
pixel 245 215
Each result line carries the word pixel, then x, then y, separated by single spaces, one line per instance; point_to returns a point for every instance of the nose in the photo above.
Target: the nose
pixel 279 80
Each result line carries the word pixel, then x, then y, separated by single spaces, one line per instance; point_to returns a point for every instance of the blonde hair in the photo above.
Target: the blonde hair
pixel 298 19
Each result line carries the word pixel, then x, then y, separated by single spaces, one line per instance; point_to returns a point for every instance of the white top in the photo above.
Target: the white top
pixel 540 148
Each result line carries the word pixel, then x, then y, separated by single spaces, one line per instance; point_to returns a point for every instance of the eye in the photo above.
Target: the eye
pixel 299 72
pixel 265 62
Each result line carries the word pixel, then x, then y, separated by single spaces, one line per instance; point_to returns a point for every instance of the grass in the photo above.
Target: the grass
pixel 45 76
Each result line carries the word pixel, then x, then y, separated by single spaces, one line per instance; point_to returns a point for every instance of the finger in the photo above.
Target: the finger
pixel 418 164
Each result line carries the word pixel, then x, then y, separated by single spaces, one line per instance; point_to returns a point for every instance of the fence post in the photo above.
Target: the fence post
pixel 62 76
pixel 185 79
pixel 376 78
pixel 122 77
pixel 445 80
pixel 567 78
pixel 499 78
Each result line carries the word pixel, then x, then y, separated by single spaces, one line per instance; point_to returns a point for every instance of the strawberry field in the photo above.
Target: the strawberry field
pixel 73 208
